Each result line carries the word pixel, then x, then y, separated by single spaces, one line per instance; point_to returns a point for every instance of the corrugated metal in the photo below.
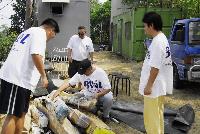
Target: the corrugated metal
pixel 63 1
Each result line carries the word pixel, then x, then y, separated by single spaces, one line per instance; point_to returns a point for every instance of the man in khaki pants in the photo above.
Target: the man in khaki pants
pixel 156 76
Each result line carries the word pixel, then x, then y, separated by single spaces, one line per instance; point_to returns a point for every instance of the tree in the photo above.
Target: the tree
pixel 6 38
pixel 100 21
pixel 18 19
pixel 190 8
pixel 28 15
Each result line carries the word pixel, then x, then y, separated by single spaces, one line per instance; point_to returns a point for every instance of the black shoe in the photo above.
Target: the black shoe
pixel 94 111
pixel 105 119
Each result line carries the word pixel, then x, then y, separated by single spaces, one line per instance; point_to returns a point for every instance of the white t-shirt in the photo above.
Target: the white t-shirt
pixel 19 68
pixel 158 56
pixel 80 47
pixel 95 83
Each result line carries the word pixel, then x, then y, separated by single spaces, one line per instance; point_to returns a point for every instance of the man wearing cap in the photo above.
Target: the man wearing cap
pixel 80 47
pixel 95 84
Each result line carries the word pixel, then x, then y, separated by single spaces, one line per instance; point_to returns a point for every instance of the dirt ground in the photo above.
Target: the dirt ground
pixel 113 63
pixel 189 95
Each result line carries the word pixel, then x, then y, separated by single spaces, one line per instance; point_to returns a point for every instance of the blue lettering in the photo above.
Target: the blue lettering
pixel 22 41
pixel 91 84
pixel 100 85
pixel 167 52
pixel 148 55
pixel 19 37
pixel 95 85
pixel 86 84
pixel 22 38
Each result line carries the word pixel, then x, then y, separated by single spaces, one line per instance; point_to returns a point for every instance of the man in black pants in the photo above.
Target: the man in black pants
pixel 80 47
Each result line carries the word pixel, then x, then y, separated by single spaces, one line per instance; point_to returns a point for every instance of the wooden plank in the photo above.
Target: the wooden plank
pixel 2 119
pixel 97 126
pixel 79 118
pixel 27 122
pixel 38 116
pixel 57 127
pixel 87 104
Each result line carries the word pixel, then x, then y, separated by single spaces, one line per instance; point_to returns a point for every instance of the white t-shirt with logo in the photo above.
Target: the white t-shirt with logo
pixel 19 68
pixel 95 83
pixel 80 47
pixel 158 56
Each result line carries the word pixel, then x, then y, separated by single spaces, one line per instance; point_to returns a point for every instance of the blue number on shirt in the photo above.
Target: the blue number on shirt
pixel 22 38
pixel 168 52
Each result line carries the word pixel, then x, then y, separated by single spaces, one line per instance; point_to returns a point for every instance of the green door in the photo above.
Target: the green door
pixel 120 28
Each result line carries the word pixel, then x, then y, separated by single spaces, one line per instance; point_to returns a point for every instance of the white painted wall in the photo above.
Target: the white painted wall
pixel 75 13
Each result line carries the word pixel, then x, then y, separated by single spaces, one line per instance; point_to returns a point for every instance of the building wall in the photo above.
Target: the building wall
pixel 128 39
pixel 75 13
pixel 117 8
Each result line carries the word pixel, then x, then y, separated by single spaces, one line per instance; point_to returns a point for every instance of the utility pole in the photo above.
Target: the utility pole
pixel 29 10
pixel 35 13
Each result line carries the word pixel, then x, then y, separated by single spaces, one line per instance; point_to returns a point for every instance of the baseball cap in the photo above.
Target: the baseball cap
pixel 84 65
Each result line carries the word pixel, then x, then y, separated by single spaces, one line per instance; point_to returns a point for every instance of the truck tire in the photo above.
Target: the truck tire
pixel 176 81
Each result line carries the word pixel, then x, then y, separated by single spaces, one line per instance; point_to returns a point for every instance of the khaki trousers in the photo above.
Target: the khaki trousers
pixel 153 115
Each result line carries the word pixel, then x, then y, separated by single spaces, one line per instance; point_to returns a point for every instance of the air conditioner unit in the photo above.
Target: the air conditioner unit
pixel 57 8
pixel 59 1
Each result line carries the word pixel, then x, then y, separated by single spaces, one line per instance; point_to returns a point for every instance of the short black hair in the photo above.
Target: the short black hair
pixel 83 66
pixel 154 19
pixel 52 23
pixel 81 27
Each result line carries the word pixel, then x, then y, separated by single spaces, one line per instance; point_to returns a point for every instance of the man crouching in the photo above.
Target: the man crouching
pixel 95 83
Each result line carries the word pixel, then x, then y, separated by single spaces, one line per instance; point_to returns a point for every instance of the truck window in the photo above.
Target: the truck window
pixel 178 34
pixel 194 33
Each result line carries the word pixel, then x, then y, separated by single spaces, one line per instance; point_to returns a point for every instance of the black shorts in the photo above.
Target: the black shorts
pixel 14 100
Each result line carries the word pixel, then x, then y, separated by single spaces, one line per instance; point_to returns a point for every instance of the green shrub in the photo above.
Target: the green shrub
pixel 6 40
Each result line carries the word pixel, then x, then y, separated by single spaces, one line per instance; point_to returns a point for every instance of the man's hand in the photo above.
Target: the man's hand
pixel 70 59
pixel 55 95
pixel 44 82
pixel 96 96
pixel 37 60
pixel 93 62
pixel 147 90
pixel 153 74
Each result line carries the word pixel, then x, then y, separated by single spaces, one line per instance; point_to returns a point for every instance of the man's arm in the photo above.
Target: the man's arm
pixel 91 56
pixel 37 60
pixel 106 85
pixel 105 91
pixel 63 87
pixel 153 74
pixel 69 54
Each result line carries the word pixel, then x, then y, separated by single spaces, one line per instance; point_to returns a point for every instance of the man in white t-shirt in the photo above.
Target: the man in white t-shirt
pixel 21 72
pixel 80 47
pixel 156 76
pixel 95 84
